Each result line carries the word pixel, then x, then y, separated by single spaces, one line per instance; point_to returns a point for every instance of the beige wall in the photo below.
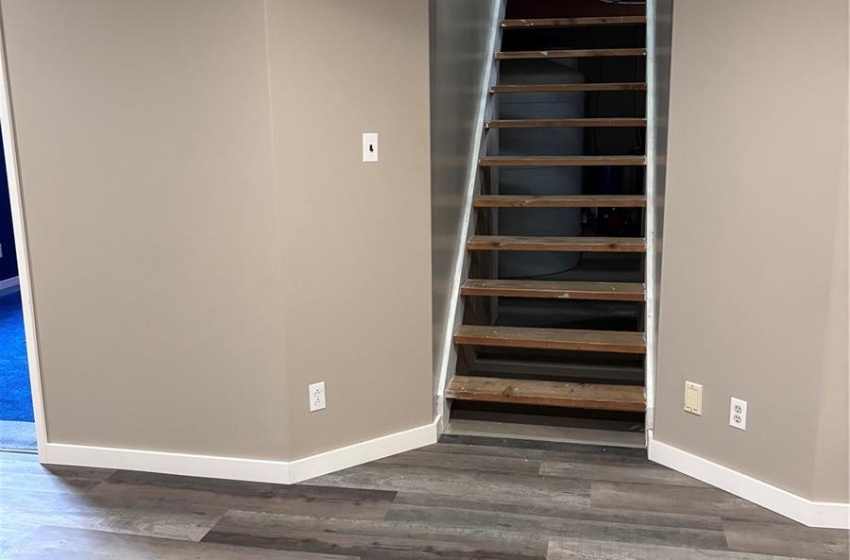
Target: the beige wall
pixel 754 281
pixel 355 237
pixel 204 240
pixel 146 174
pixel 460 40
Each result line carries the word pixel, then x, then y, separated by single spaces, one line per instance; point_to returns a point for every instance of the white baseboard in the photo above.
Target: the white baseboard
pixel 231 468
pixel 359 453
pixel 807 512
pixel 207 466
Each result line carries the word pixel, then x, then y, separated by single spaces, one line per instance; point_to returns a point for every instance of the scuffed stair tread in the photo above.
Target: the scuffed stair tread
pixel 548 393
pixel 571 22
pixel 576 53
pixel 590 244
pixel 561 161
pixel 551 289
pixel 552 339
pixel 566 88
pixel 561 201
pixel 568 123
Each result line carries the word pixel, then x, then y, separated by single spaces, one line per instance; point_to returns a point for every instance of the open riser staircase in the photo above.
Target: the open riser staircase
pixel 554 303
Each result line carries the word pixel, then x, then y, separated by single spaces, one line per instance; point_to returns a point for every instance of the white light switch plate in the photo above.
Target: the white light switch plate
pixel 693 398
pixel 370 147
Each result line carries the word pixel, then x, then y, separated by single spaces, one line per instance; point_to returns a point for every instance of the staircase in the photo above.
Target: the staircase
pixel 563 350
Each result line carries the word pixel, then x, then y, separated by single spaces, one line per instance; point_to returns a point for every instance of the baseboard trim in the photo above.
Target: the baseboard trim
pixel 807 512
pixel 233 468
pixel 205 466
pixel 364 452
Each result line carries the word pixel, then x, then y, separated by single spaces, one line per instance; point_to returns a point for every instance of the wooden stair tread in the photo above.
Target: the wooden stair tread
pixel 541 243
pixel 560 161
pixel 566 88
pixel 571 22
pixel 552 289
pixel 574 53
pixel 561 201
pixel 552 339
pixel 548 393
pixel 563 123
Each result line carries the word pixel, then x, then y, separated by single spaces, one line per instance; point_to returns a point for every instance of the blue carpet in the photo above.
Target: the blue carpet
pixel 15 399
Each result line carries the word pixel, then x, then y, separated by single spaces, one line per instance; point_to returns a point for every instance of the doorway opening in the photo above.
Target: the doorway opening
pixel 17 418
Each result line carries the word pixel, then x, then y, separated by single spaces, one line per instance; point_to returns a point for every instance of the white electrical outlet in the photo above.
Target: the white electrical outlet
pixel 693 398
pixel 317 396
pixel 738 414
pixel 370 147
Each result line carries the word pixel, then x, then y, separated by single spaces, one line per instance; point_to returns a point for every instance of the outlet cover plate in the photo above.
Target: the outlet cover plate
pixel 738 414
pixel 317 396
pixel 693 398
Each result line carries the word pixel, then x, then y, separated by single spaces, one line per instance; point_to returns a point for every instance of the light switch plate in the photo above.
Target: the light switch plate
pixel 693 398
pixel 370 147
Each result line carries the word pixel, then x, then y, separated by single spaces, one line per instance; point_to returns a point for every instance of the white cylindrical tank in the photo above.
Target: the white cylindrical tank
pixel 543 180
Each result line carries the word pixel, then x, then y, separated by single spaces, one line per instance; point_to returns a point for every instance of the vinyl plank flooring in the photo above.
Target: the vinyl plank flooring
pixel 563 513
pixel 46 483
pixel 577 549
pixel 547 446
pixel 56 543
pixel 770 538
pixel 26 463
pixel 374 539
pixel 482 498
pixel 466 462
pixel 119 514
pixel 635 473
pixel 678 499
pixel 566 453
pixel 542 525
pixel 310 500
pixel 502 486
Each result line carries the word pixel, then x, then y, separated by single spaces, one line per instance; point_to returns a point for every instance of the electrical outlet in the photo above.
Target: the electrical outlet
pixel 370 147
pixel 738 414
pixel 693 398
pixel 317 396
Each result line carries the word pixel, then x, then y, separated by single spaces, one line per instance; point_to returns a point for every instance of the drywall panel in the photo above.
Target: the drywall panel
pixel 355 238
pixel 144 142
pixel 752 276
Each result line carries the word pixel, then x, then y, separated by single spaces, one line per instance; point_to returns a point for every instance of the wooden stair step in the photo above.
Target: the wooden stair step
pixel 565 123
pixel 552 339
pixel 561 161
pixel 561 201
pixel 626 398
pixel 551 289
pixel 541 243
pixel 567 88
pixel 549 23
pixel 575 53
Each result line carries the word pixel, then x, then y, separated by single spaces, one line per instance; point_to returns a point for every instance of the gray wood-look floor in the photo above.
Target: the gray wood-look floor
pixel 486 499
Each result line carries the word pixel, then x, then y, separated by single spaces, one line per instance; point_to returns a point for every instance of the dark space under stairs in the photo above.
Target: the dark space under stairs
pixel 548 357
